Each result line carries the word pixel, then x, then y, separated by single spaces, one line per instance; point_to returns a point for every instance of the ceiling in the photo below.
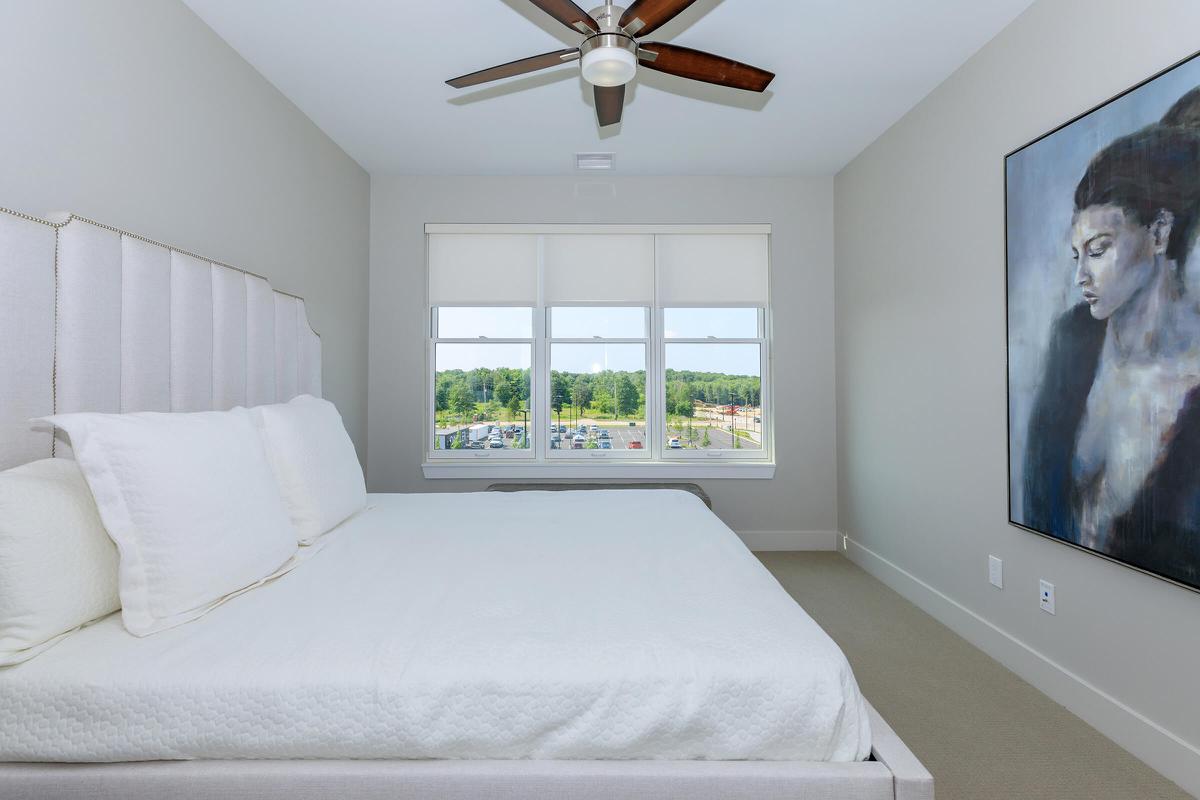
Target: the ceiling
pixel 371 74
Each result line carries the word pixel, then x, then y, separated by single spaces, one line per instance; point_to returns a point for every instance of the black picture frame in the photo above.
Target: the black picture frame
pixel 1008 332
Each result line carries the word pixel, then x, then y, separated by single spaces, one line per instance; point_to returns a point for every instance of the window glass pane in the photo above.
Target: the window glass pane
pixel 700 323
pixel 713 397
pixel 456 322
pixel 585 322
pixel 598 396
pixel 481 396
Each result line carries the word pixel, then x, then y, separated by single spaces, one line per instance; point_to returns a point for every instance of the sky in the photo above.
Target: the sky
pixel 588 322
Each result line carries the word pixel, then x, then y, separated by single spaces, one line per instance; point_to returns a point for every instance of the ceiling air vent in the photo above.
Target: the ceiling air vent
pixel 593 162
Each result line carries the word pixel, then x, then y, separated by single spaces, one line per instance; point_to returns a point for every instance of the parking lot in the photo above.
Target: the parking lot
pixel 621 434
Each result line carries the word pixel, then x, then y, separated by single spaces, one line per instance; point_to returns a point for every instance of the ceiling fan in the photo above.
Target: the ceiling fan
pixel 611 53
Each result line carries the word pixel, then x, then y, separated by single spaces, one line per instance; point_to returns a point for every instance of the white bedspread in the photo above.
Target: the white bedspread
pixel 603 624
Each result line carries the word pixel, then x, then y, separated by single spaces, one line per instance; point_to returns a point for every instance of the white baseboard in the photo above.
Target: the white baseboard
pixel 763 541
pixel 1161 749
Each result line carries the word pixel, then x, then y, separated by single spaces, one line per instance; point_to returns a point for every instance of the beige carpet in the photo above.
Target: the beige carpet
pixel 983 732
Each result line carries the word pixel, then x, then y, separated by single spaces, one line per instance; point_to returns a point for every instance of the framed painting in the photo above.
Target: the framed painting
pixel 1103 316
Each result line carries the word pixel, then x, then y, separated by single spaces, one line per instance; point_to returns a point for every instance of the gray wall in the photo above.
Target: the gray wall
pixel 921 381
pixel 802 496
pixel 134 113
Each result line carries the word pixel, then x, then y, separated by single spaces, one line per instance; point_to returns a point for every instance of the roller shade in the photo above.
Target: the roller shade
pixel 598 268
pixel 712 269
pixel 481 269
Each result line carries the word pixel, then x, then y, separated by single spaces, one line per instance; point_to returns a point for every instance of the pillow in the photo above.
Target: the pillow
pixel 315 463
pixel 191 503
pixel 58 568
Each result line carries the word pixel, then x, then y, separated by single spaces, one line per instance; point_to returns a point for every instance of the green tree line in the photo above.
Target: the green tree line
pixel 619 394
pixel 686 388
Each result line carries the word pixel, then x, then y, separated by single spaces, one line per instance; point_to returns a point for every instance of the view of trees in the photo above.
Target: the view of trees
pixel 600 394
pixel 686 388
pixel 503 393
pixel 488 393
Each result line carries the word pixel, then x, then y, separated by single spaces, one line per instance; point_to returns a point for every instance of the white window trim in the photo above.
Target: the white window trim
pixel 657 461
pixel 742 454
pixel 596 456
pixel 507 454
pixel 615 470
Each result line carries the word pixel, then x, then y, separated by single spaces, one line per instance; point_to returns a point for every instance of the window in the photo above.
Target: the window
pixel 598 377
pixel 713 390
pixel 482 387
pixel 590 347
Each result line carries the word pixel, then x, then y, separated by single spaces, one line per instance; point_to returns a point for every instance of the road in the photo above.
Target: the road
pixel 718 437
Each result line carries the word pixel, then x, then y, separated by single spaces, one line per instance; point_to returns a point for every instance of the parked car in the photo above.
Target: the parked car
pixel 475 446
pixel 578 442
pixel 604 434
pixel 758 419
pixel 496 444
pixel 605 444
pixel 556 437
pixel 635 445
pixel 633 424
pixel 674 443
pixel 595 428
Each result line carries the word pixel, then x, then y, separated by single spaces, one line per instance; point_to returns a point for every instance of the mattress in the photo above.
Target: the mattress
pixel 545 625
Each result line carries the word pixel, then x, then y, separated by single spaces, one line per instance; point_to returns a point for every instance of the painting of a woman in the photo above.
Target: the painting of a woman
pixel 1110 457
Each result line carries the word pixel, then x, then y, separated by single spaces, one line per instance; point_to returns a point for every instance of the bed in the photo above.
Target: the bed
pixel 535 644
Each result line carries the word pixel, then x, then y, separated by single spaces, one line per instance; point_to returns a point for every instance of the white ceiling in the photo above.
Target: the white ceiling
pixel 371 74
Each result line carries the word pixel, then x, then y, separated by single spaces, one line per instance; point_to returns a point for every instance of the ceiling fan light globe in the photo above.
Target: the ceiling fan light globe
pixel 609 66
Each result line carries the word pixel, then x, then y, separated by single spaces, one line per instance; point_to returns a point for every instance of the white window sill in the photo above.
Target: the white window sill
pixel 611 471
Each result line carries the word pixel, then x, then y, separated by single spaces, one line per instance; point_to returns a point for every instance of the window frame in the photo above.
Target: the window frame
pixel 656 460
pixel 762 340
pixel 595 456
pixel 526 454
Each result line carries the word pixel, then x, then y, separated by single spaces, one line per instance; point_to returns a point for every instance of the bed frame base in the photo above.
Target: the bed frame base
pixel 893 774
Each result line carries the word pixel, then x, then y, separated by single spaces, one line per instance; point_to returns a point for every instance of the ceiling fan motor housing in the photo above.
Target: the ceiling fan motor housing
pixel 609 59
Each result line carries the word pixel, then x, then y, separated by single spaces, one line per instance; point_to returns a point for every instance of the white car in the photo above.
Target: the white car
pixel 674 443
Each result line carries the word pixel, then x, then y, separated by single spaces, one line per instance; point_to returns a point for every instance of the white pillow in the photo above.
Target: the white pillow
pixel 191 503
pixel 314 462
pixel 58 568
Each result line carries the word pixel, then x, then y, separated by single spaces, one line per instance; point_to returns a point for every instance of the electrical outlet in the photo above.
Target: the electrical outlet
pixel 996 572
pixel 1046 596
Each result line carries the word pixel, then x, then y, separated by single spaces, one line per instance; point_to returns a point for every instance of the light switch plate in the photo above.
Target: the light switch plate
pixel 996 572
pixel 1046 596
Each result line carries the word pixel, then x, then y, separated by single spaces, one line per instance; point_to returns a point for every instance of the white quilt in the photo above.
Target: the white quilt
pixel 550 625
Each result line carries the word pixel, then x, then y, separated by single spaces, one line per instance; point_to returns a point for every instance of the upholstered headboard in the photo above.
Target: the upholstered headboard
pixel 97 319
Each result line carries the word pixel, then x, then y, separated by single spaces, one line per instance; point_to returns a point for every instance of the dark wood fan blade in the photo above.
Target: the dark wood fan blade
pixel 610 101
pixel 701 66
pixel 652 15
pixel 520 67
pixel 568 14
